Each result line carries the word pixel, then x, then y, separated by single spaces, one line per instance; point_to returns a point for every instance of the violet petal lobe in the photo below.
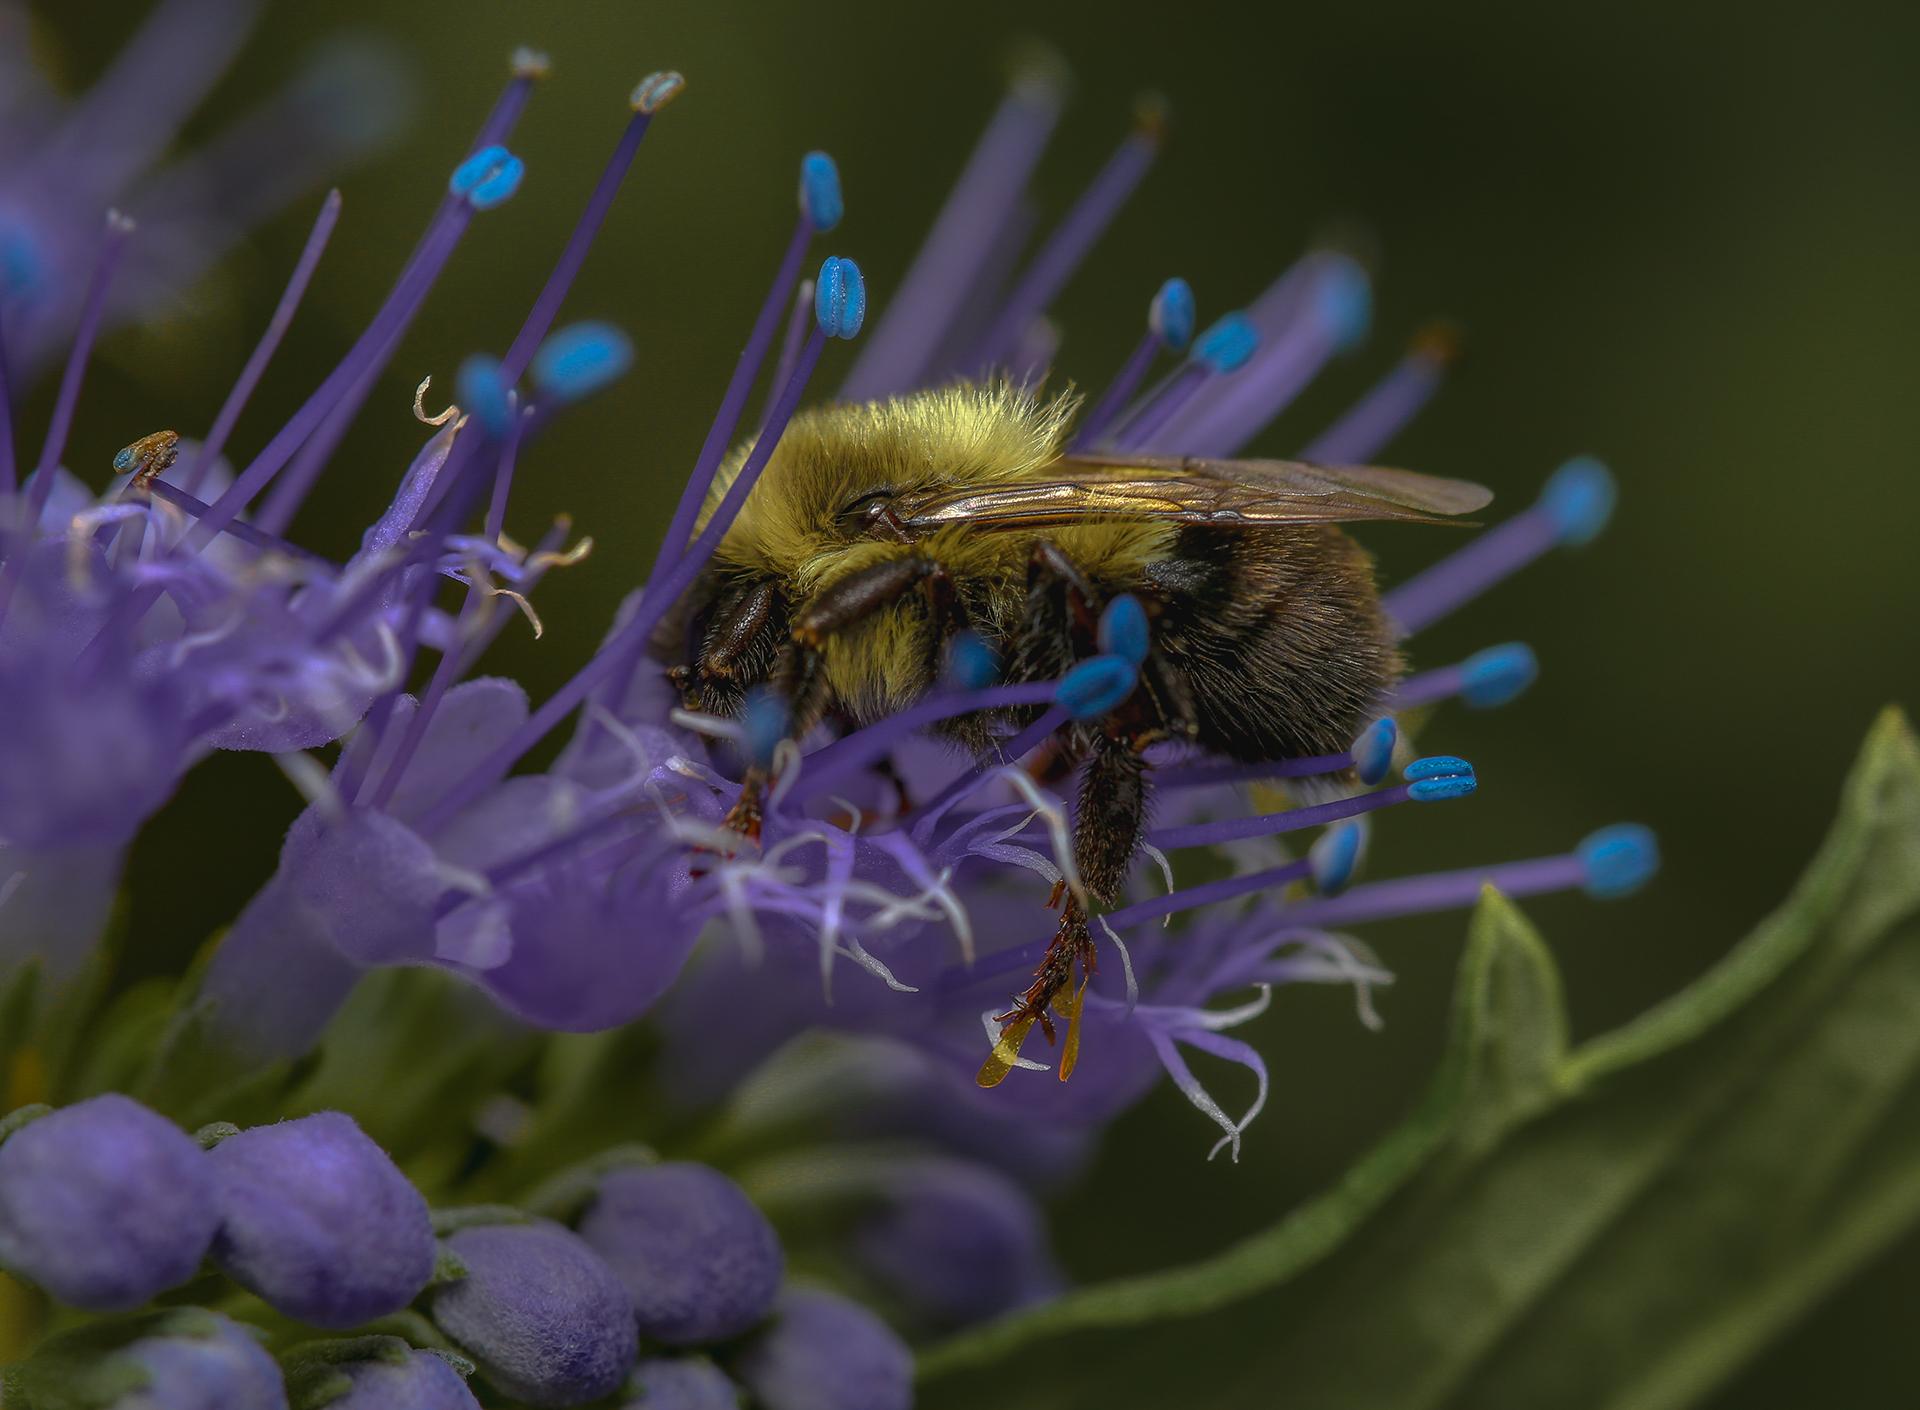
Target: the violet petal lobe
pixel 681 1383
pixel 422 1381
pixel 226 1368
pixel 825 1352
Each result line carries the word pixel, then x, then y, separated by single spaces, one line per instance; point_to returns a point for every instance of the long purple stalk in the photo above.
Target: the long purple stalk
pixel 1370 423
pixel 827 766
pixel 117 230
pixel 7 472
pixel 264 350
pixel 734 402
pixel 901 346
pixel 1067 247
pixel 1209 834
pixel 1459 578
pixel 1125 383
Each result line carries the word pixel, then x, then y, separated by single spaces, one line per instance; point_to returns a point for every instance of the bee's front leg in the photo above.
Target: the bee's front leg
pixel 800 673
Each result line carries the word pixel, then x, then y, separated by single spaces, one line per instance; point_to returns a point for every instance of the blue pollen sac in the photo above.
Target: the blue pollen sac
pixel 1373 750
pixel 1228 344
pixel 972 664
pixel 1579 498
pixel 1172 315
pixel 488 177
pixel 1438 777
pixel 1345 302
pixel 820 199
pixel 763 724
pixel 840 298
pixel 1498 675
pixel 581 359
pixel 1123 629
pixel 1336 855
pixel 1619 860
pixel 1096 685
pixel 485 394
pixel 656 90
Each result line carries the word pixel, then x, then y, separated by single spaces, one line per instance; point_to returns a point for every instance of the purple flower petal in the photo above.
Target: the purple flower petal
pixel 218 1366
pixel 682 1383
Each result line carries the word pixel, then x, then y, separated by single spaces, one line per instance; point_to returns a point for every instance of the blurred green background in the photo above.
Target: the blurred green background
pixel 1679 237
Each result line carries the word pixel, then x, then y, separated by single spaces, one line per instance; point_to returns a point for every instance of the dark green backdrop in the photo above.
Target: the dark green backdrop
pixel 1680 237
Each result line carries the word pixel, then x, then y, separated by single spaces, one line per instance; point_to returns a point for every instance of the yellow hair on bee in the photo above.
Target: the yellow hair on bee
pixel 793 525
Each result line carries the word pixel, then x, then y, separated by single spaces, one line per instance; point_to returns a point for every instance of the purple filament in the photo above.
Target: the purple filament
pixel 1258 393
pixel 857 750
pixel 900 349
pixel 1067 247
pixel 1462 576
pixel 1125 383
pixel 727 420
pixel 1370 423
pixel 1014 749
pixel 1292 820
pixel 114 245
pixel 799 319
pixel 264 350
pixel 7 471
pixel 1139 429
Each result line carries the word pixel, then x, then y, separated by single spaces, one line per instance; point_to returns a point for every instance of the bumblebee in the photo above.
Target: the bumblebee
pixel 879 530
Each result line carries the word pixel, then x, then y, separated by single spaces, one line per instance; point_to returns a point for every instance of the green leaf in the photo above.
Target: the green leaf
pixel 1486 1082
pixel 1617 1226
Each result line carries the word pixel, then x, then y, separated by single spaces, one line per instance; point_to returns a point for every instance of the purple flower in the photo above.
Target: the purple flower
pixel 548 1322
pixel 104 1204
pixel 826 1353
pixel 317 1220
pixel 953 1241
pixel 66 161
pixel 376 1373
pixel 680 1383
pixel 698 1258
pixel 205 1362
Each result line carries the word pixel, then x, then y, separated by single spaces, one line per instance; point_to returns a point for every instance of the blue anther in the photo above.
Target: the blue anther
pixel 477 168
pixel 1373 750
pixel 484 393
pixel 1619 859
pixel 1095 686
pixel 1439 776
pixel 1579 499
pixel 840 298
pixel 23 268
pixel 972 664
pixel 126 459
pixel 1344 300
pixel 499 186
pixel 1498 674
pixel 820 200
pixel 655 91
pixel 581 359
pixel 1336 854
pixel 1227 344
pixel 764 721
pixel 1123 629
pixel 1172 315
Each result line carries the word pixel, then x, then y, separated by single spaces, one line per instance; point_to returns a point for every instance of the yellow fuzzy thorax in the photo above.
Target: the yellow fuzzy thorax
pixel 791 527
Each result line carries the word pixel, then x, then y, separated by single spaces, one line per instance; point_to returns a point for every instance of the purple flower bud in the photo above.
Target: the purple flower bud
pixel 104 1204
pixel 681 1383
pixel 318 1221
pixel 955 1242
pixel 546 1319
pixel 210 1364
pixel 699 1260
pixel 418 1380
pixel 827 1353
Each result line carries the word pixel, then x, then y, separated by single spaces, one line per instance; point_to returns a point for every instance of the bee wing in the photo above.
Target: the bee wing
pixel 1195 491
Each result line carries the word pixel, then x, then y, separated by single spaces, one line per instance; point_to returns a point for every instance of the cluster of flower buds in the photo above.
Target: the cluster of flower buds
pixel 662 1282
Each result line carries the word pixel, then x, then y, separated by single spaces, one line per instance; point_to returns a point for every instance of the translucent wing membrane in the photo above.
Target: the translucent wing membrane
pixel 1194 491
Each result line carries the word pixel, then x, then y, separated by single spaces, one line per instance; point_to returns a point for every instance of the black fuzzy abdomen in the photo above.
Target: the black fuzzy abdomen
pixel 1280 636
